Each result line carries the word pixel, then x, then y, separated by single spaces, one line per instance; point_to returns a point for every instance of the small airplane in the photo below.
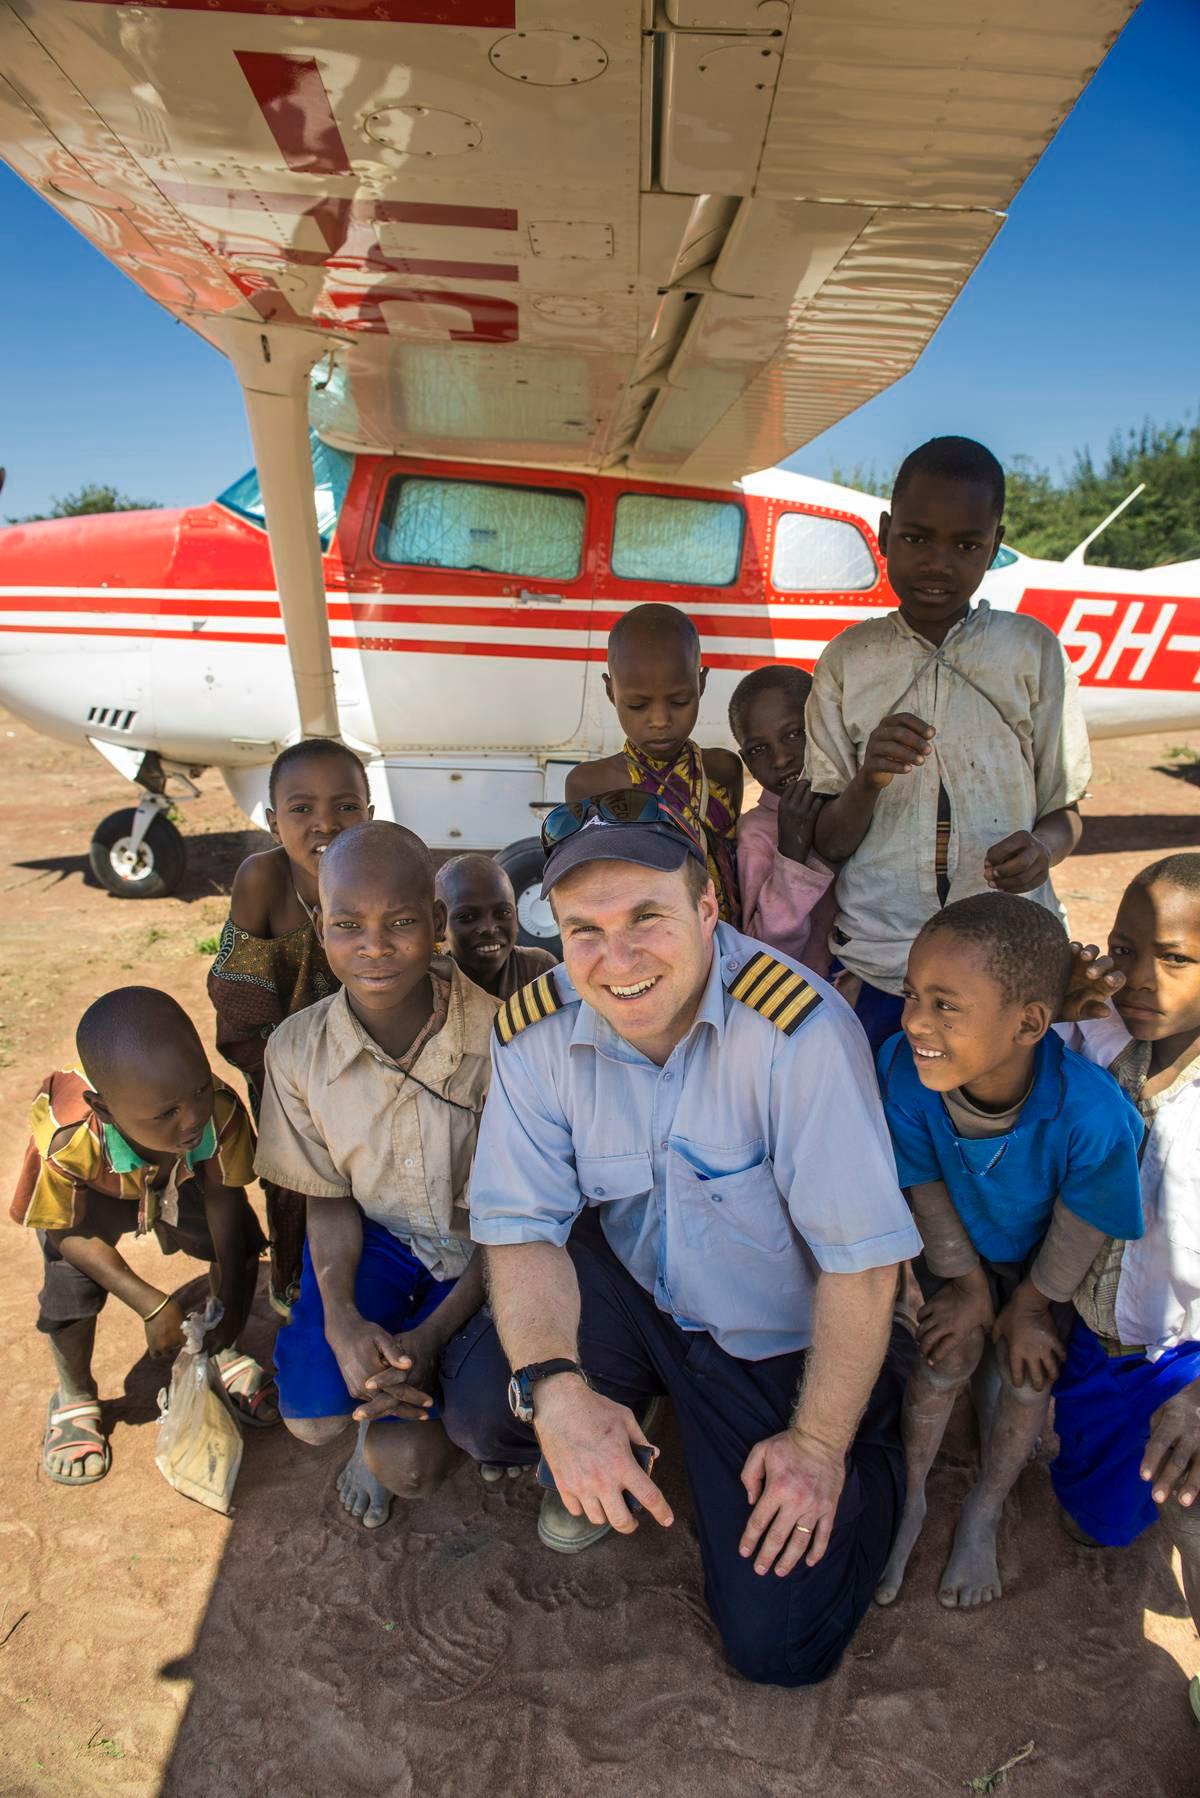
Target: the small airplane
pixel 515 295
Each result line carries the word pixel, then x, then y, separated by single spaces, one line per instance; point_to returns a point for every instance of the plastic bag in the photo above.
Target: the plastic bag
pixel 199 1445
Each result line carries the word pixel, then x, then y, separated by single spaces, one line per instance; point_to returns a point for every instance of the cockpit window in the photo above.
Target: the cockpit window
pixel 1003 558
pixel 332 469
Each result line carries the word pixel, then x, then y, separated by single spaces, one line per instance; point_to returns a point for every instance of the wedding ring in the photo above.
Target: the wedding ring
pixel 804 1529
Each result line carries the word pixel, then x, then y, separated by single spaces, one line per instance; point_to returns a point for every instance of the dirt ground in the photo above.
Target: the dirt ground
pixel 148 1646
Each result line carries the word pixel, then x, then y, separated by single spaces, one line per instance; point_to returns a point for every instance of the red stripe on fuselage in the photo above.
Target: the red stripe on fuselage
pixel 115 630
pixel 495 615
pixel 158 607
pixel 537 652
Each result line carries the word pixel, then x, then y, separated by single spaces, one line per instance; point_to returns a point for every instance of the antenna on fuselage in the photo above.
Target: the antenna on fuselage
pixel 1077 554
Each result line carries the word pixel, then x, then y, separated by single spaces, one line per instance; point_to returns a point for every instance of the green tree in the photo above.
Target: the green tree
pixel 1162 524
pixel 88 500
pixel 865 477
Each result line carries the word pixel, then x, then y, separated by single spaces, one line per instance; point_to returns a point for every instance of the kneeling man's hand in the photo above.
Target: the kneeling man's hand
pixel 586 1439
pixel 791 1479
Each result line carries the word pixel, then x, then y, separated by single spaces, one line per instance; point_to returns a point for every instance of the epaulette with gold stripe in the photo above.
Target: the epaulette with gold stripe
pixel 776 992
pixel 528 1005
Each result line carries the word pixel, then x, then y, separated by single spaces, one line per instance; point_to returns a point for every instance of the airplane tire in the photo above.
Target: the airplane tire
pixel 153 873
pixel 523 862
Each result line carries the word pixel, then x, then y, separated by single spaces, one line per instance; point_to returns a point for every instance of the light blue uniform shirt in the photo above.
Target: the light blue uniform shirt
pixel 726 1179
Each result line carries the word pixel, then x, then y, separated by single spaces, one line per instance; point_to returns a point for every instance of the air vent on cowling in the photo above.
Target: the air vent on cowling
pixel 112 717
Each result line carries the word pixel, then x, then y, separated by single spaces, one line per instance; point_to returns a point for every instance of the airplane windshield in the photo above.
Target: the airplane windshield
pixel 1003 558
pixel 331 477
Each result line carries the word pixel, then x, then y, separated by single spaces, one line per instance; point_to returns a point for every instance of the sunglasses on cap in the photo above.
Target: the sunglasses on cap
pixel 627 805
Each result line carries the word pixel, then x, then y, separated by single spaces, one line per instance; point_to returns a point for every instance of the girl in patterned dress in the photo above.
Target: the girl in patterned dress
pixel 269 963
pixel 655 680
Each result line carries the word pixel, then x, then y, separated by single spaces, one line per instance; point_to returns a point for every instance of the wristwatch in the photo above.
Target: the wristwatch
pixel 520 1387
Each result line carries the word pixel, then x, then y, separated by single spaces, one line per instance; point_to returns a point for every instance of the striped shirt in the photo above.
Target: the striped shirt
pixel 72 1152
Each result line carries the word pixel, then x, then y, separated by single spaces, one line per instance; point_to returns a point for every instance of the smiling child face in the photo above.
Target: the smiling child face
pixel 772 739
pixel 962 1030
pixel 481 916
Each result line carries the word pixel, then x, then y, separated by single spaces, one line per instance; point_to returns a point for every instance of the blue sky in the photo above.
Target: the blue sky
pixel 1080 320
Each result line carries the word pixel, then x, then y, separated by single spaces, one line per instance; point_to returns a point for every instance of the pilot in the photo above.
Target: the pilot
pixel 715 1105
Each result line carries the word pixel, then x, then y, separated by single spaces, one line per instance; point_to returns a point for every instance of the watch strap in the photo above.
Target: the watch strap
pixel 541 1370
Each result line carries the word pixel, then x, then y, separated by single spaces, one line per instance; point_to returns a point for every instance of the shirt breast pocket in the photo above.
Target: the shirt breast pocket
pixel 603 1178
pixel 740 1207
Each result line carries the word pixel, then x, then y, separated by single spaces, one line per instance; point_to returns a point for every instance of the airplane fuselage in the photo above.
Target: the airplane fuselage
pixel 468 611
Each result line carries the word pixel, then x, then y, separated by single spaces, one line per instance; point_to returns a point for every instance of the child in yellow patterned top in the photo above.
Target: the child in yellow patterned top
pixel 140 1137
pixel 655 680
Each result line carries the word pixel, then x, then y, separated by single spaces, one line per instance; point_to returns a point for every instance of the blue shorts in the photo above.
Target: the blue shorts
pixel 392 1288
pixel 1102 1410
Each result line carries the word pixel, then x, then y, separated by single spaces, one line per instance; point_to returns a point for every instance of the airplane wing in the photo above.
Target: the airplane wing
pixel 674 237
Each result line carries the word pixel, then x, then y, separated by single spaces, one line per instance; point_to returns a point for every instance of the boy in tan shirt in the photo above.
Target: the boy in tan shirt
pixel 371 1106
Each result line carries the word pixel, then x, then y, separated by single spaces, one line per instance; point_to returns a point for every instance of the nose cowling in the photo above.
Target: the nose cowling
pixel 74 648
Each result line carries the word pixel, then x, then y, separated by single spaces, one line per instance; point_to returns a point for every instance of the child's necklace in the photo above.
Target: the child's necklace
pixel 310 911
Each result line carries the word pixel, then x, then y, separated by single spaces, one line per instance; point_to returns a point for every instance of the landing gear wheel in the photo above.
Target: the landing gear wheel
pixel 150 871
pixel 523 863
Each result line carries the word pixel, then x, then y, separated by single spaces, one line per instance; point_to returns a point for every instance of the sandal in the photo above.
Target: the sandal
pixel 281 1302
pixel 247 1389
pixel 73 1430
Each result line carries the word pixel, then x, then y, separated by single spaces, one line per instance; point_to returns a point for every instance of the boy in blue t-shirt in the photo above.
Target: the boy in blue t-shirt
pixel 1020 1159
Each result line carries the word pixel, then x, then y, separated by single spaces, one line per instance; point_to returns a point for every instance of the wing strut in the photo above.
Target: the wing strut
pixel 272 363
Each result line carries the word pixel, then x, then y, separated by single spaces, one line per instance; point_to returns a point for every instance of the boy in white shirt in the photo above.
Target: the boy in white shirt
pixel 1127 1404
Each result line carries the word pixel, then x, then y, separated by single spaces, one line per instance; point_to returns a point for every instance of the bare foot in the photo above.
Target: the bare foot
pixel 361 1493
pixel 972 1577
pixel 911 1524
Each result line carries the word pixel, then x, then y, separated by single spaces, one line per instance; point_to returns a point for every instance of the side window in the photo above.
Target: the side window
pixel 820 555
pixel 485 528
pixel 1003 558
pixel 689 542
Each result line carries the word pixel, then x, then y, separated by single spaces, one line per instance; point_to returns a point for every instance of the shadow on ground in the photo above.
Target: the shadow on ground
pixel 212 862
pixel 1161 831
pixel 449 1652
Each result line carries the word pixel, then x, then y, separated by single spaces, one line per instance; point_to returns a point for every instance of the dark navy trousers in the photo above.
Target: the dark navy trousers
pixel 786 1632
